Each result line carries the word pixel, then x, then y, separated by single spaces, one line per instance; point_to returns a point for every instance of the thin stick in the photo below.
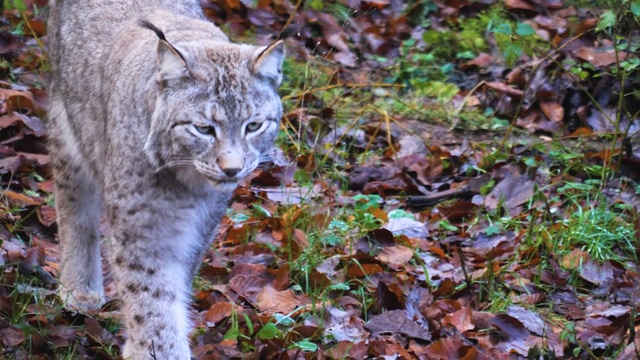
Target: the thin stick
pixel 33 33
pixel 290 19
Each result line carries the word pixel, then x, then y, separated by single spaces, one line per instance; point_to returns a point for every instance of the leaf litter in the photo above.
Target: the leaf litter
pixel 411 249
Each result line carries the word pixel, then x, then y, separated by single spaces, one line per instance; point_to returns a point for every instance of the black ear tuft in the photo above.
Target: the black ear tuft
pixel 289 31
pixel 148 25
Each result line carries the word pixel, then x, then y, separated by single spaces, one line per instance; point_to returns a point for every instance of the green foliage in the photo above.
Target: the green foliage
pixel 269 331
pixel 635 7
pixel 305 345
pixel 444 92
pixel 513 42
pixel 426 67
pixel 607 20
pixel 14 4
pixel 597 229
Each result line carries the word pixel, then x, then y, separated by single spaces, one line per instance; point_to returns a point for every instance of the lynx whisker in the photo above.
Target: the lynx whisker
pixel 173 163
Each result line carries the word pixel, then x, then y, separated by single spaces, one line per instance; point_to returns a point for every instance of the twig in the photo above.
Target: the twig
pixel 422 201
pixel 33 33
pixel 290 19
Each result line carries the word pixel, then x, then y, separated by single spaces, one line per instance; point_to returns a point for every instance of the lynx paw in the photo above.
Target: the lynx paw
pixel 81 300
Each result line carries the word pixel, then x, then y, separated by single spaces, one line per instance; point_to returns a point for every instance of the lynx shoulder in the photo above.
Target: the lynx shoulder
pixel 154 118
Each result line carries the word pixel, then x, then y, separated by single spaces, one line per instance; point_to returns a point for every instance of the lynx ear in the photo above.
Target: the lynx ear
pixel 171 62
pixel 268 62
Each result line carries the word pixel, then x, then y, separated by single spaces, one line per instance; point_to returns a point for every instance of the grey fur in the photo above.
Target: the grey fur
pixel 157 134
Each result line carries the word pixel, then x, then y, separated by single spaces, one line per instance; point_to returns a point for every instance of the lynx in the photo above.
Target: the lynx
pixel 154 119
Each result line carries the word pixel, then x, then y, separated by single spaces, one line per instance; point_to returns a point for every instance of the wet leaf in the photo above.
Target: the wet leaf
pixel 397 322
pixel 271 301
pixel 11 336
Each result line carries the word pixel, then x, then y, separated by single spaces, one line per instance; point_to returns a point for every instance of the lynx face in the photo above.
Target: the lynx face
pixel 215 116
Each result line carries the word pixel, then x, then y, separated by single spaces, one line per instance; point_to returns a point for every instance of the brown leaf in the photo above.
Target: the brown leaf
pixel 94 330
pixel 61 336
pixel 599 57
pixel 552 110
pixel 387 348
pixel 271 301
pixel 512 191
pixel 531 320
pixel 395 256
pixel 7 121
pixel 11 336
pixel 459 210
pixel 8 42
pixel 481 61
pixel 14 251
pixel 388 299
pixel 511 328
pixel 450 349
pixel 520 5
pixel 11 164
pixel 608 311
pixel 447 286
pixel 47 215
pixel 342 326
pixel 461 319
pixel 504 88
pixel 347 349
pixel 362 270
pixel 495 245
pixel 574 259
pixel 597 273
pixel 17 101
pixel 22 200
pixel 247 286
pixel 220 311
pixel 397 322
pixel 38 25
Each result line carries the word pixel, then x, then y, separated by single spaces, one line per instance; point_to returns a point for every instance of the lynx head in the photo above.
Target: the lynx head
pixel 217 111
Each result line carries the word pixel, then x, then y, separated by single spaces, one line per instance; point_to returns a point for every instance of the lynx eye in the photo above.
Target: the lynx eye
pixel 205 130
pixel 253 126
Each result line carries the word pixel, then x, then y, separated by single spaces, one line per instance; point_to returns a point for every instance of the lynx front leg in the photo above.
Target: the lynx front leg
pixel 78 207
pixel 154 285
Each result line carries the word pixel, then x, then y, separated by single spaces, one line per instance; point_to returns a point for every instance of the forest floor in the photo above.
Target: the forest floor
pixel 455 180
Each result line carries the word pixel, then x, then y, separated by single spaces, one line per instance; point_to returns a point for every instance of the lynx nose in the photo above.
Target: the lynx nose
pixel 231 163
pixel 231 172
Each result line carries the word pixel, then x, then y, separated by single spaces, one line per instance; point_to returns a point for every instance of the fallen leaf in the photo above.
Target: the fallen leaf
pixel 395 256
pixel 599 57
pixel 220 311
pixel 271 301
pixel 397 322
pixel 531 320
pixel 552 110
pixel 11 336
pixel 512 191
pixel 461 319
pixel 22 200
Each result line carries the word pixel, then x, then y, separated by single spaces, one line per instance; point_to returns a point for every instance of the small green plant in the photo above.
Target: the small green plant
pixel 513 40
pixel 569 336
pixel 596 229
